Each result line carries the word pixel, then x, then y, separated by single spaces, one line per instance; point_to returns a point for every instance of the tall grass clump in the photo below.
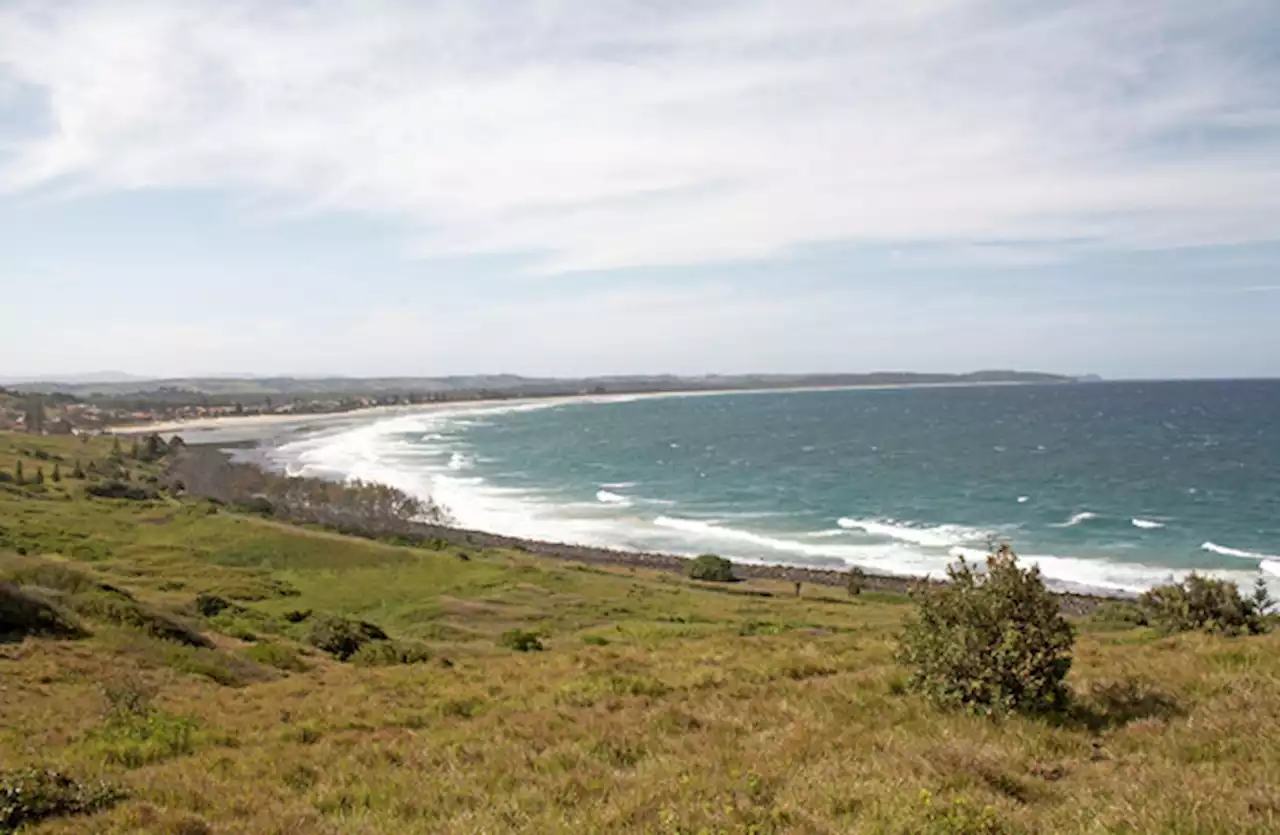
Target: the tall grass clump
pixel 991 642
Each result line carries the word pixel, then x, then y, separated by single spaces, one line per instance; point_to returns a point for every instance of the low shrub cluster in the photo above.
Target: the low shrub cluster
pixel 992 642
pixel 1205 604
pixel 26 612
pixel 37 794
pixel 711 569
pixel 520 640
pixel 118 489
pixel 123 611
pixel 343 637
pixel 390 654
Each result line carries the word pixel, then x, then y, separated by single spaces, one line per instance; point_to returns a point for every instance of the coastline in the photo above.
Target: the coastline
pixel 305 420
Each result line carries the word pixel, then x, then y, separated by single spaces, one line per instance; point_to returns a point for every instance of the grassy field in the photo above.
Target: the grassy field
pixel 656 706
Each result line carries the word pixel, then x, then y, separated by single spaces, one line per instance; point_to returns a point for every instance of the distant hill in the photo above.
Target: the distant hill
pixel 504 384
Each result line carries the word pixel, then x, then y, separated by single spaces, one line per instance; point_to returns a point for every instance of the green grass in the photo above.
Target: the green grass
pixel 659 705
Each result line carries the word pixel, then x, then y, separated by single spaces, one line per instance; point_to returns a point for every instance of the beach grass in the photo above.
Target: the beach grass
pixel 657 704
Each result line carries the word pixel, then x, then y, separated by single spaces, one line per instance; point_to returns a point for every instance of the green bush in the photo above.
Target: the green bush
pixel 991 643
pixel 1204 604
pixel 34 795
pixel 25 612
pixel 342 637
pixel 390 653
pixel 521 640
pixel 710 568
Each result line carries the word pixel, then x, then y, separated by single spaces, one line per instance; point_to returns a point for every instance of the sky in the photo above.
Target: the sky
pixel 369 187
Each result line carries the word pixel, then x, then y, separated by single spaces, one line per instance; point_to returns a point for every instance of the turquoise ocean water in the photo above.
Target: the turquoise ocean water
pixel 1112 486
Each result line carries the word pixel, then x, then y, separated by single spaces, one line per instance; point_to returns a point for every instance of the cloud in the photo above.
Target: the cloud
pixel 604 135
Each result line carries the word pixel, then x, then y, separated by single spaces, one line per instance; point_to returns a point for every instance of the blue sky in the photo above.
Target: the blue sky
pixel 611 187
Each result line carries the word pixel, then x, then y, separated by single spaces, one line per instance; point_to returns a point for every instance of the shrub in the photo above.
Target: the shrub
pixel 390 653
pixel 24 612
pixel 521 640
pixel 711 569
pixel 595 640
pixel 342 637
pixel 116 489
pixel 33 795
pixel 297 615
pixel 992 643
pixel 211 605
pixel 855 581
pixel 1205 604
pixel 135 615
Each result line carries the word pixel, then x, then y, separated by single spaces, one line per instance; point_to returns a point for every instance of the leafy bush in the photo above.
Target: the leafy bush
pixel 711 569
pixel 24 612
pixel 280 656
pixel 297 615
pixel 1204 604
pixel 33 795
pixel 992 643
pixel 342 637
pixel 390 653
pixel 855 581
pixel 521 640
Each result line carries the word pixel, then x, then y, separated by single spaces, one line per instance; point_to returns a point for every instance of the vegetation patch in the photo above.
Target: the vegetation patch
pixel 1205 604
pixel 280 656
pixel 343 637
pixel 138 740
pixel 134 615
pixel 390 654
pixel 710 568
pixel 37 794
pixel 521 640
pixel 26 612
pixel 992 642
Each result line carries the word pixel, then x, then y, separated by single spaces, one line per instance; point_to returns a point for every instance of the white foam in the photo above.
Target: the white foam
pixel 941 536
pixel 618 485
pixel 607 497
pixel 1023 499
pixel 1147 524
pixel 1078 519
pixel 1271 567
pixel 459 461
pixel 1235 552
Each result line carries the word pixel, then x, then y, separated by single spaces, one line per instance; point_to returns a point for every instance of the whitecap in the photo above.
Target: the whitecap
pixel 1023 499
pixel 1235 552
pixel 941 536
pixel 607 497
pixel 1079 518
pixel 1147 524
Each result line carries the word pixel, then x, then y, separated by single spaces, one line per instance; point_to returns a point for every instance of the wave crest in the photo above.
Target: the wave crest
pixel 941 536
pixel 1235 552
pixel 1147 524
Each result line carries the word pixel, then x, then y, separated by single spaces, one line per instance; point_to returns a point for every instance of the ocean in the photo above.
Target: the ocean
pixel 1110 487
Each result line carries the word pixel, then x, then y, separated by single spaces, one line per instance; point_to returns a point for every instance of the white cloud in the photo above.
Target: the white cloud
pixel 631 133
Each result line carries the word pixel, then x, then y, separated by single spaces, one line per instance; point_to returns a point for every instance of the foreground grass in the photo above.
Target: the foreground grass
pixel 658 705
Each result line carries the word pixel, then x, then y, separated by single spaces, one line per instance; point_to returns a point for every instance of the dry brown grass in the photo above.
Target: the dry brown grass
pixel 702 711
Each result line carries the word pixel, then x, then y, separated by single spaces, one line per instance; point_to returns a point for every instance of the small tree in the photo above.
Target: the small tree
pixel 991 643
pixel 17 473
pixel 57 474
pixel 710 568
pixel 39 475
pixel 116 454
pixel 77 471
pixel 133 450
pixel 855 580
